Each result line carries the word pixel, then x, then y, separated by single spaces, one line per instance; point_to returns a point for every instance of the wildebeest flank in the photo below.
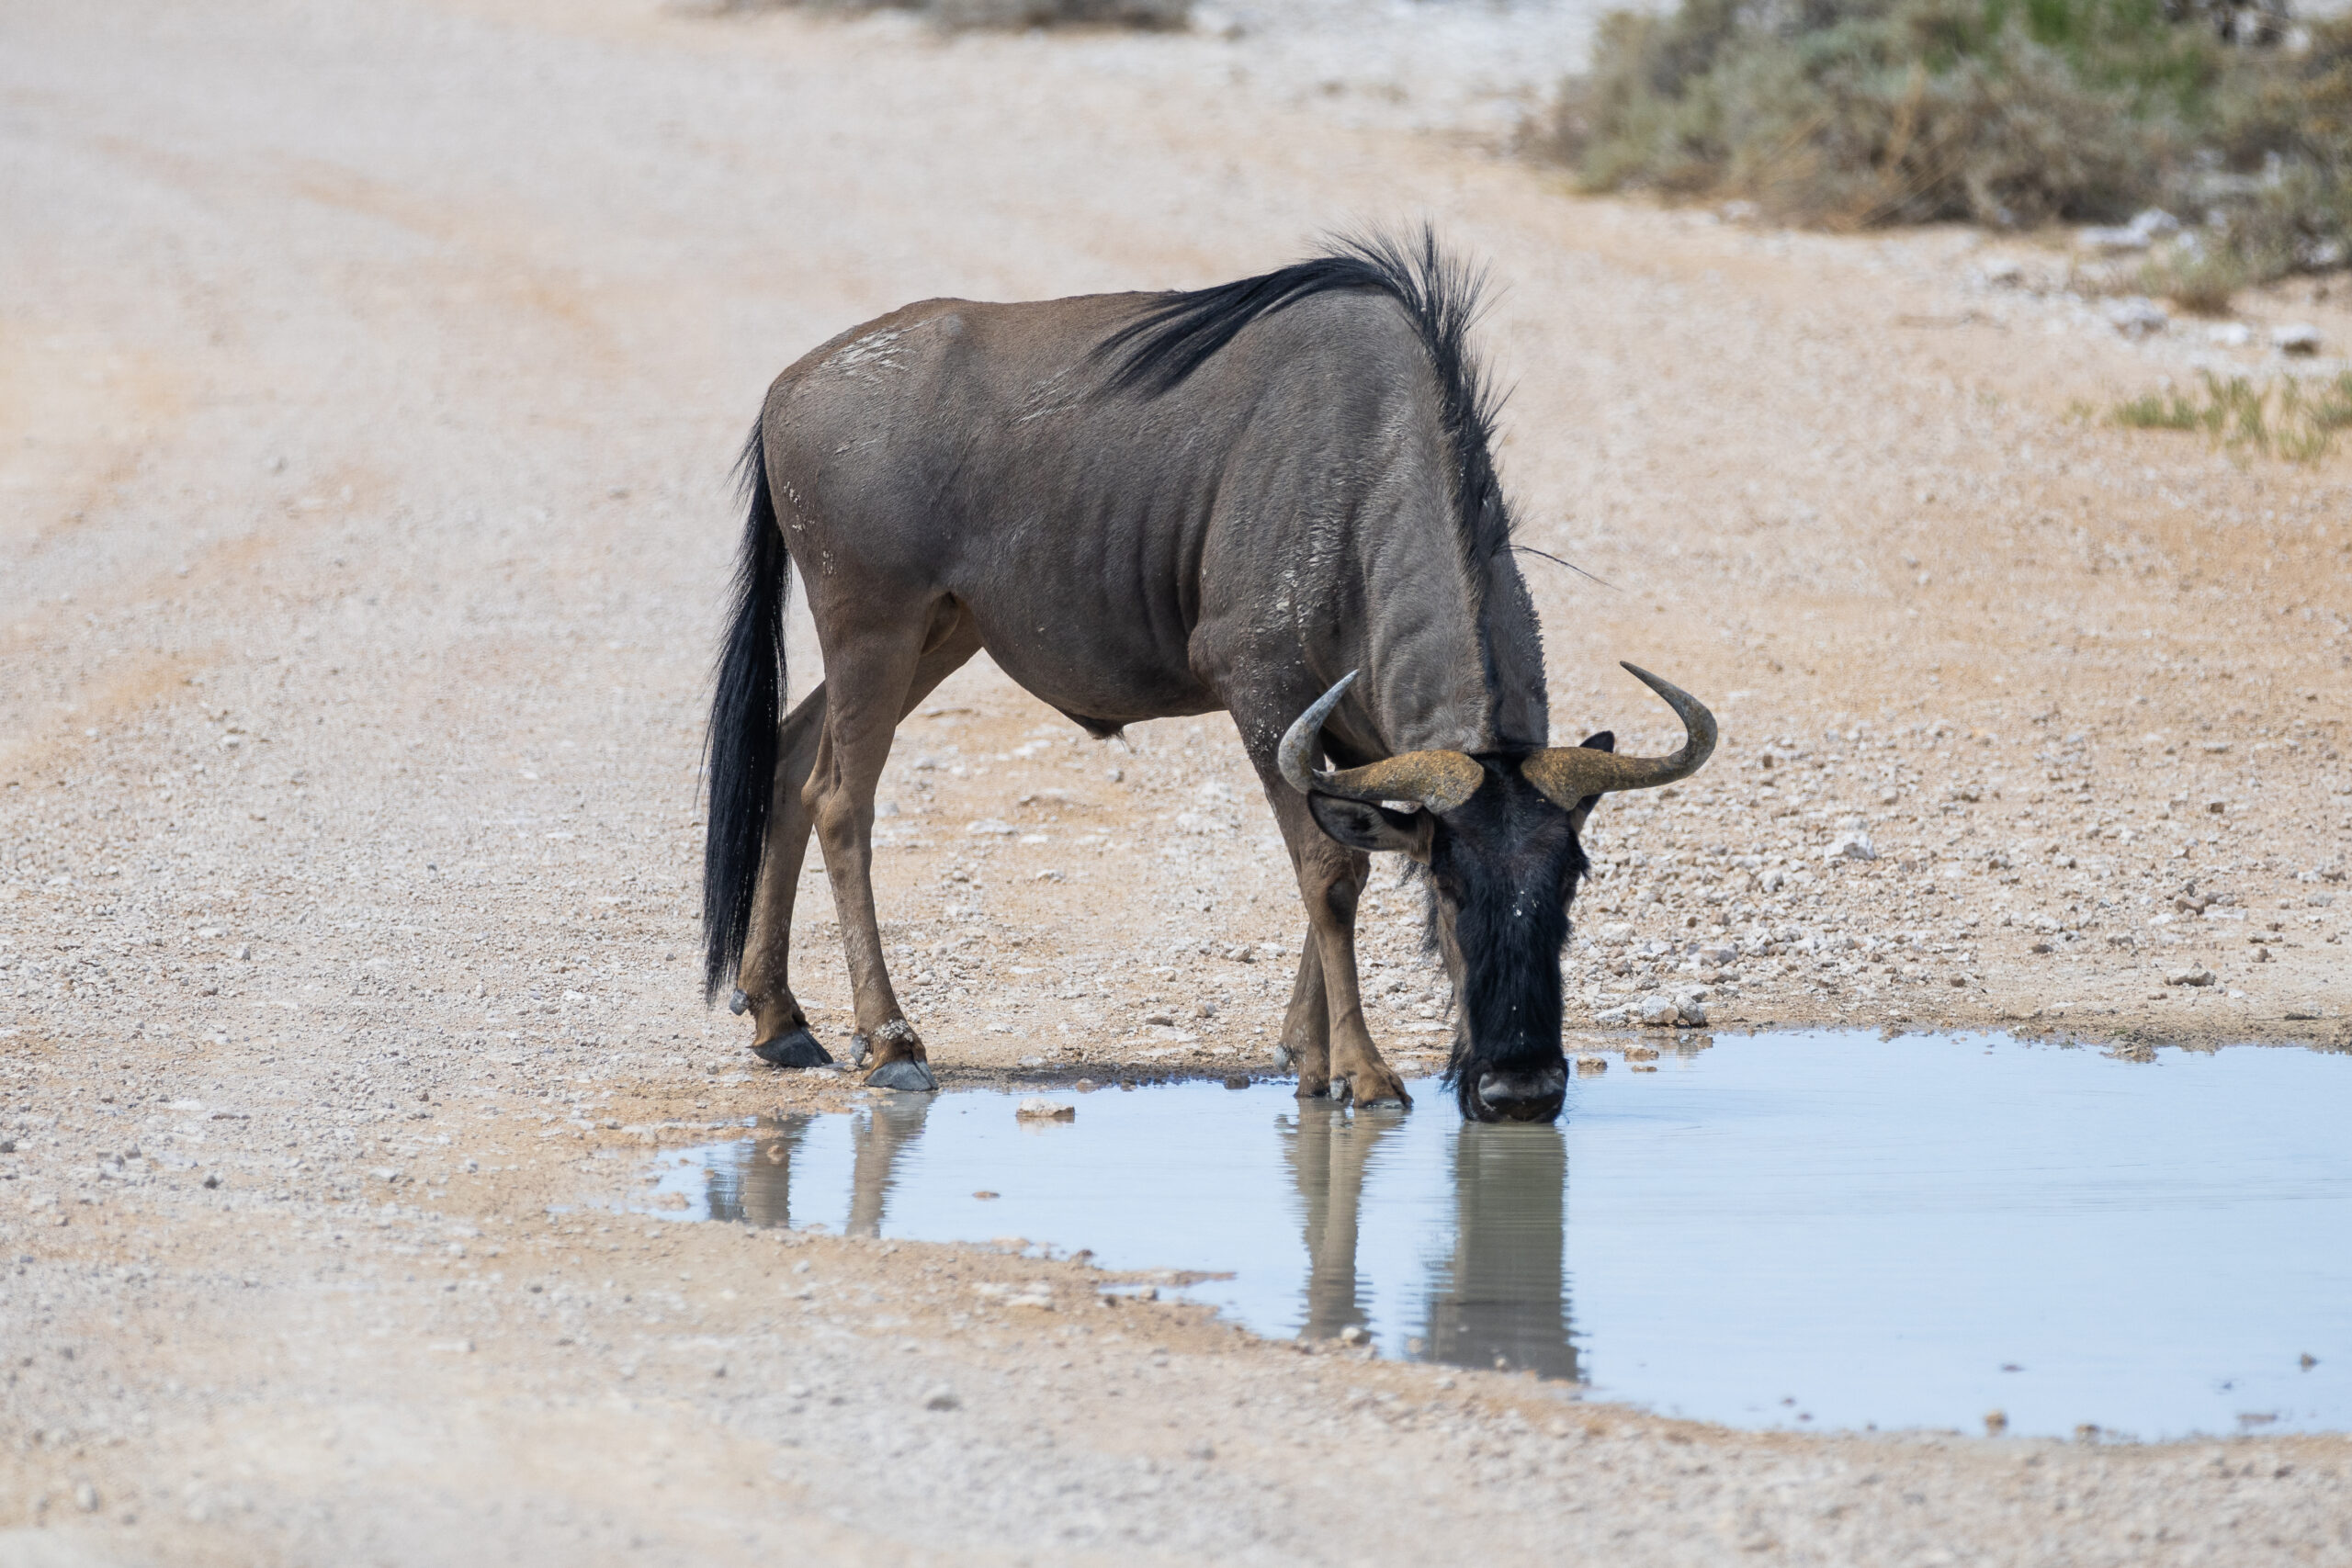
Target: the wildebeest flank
pixel 1274 497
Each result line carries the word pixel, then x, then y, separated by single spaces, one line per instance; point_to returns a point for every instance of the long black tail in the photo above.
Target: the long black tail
pixel 740 752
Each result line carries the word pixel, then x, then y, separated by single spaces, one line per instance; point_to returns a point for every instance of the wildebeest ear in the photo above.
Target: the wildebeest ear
pixel 1604 741
pixel 1374 829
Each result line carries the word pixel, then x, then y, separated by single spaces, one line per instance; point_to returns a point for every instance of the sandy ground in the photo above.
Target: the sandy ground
pixel 368 380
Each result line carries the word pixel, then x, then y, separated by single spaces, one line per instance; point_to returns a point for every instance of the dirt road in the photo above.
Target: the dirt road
pixel 367 379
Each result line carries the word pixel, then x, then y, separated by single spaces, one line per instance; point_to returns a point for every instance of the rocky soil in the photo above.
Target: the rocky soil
pixel 369 378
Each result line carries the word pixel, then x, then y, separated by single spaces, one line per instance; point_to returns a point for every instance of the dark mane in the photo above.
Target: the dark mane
pixel 1176 336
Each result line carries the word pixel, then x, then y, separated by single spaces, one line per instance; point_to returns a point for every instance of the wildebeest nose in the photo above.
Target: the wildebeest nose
pixel 1525 1096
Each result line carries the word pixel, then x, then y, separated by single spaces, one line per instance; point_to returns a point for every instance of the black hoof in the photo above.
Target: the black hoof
pixel 797 1049
pixel 905 1073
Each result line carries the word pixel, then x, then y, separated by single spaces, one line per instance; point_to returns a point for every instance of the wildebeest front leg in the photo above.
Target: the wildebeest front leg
pixel 1330 879
pixel 1306 1025
pixel 763 987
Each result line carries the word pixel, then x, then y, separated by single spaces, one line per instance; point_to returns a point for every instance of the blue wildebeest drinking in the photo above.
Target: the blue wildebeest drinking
pixel 1273 497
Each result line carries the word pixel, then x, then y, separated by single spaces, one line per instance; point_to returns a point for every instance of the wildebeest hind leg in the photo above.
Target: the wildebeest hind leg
pixel 763 986
pixel 874 677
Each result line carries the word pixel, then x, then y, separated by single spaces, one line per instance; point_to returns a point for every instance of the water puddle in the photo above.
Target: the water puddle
pixel 1801 1230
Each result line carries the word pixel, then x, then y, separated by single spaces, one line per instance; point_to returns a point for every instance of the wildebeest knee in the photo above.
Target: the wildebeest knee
pixel 1340 897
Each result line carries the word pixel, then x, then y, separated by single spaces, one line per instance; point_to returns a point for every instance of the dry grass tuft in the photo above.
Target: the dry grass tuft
pixel 2282 418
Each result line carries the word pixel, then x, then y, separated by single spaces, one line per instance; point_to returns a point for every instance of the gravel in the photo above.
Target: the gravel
pixel 374 373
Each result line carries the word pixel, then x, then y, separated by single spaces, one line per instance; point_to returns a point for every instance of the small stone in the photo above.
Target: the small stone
pixel 1641 1053
pixel 1657 1012
pixel 1996 1423
pixel 1086 1086
pixel 2229 334
pixel 2307 1360
pixel 942 1398
pixel 1588 1065
pixel 245 952
pixel 212 1180
pixel 1211 22
pixel 984 1195
pixel 1353 1333
pixel 2137 316
pixel 2118 240
pixel 2190 978
pixel 85 1496
pixel 1694 1013
pixel 1035 1109
pixel 2295 337
pixel 8 1145
pixel 1165 1020
pixel 1852 844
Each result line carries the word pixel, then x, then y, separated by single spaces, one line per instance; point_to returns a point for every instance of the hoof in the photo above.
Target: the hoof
pixel 797 1049
pixel 1377 1095
pixel 905 1075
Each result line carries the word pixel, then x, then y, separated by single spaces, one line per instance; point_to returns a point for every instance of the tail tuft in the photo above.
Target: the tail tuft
pixel 740 752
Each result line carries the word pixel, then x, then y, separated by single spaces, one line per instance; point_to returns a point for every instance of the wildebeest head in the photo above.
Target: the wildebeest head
pixel 1497 836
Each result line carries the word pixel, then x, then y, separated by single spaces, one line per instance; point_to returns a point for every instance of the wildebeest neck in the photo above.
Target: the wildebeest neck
pixel 1409 571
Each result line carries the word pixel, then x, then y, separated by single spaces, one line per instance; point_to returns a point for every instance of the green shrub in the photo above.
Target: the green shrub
pixel 1852 113
pixel 2200 279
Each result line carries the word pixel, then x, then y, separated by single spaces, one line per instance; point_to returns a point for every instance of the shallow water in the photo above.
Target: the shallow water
pixel 1803 1230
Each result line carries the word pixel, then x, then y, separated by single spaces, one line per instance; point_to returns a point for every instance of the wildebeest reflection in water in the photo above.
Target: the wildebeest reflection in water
pixel 1499 1298
pixel 756 1188
pixel 1492 1286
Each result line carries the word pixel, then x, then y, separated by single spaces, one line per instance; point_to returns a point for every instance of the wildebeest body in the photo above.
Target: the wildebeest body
pixel 1273 497
pixel 1238 542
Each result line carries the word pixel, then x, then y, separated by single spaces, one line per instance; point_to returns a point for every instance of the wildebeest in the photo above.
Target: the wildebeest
pixel 1274 497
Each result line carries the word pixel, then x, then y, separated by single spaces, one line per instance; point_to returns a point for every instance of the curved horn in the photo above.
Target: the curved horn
pixel 1567 774
pixel 1439 781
